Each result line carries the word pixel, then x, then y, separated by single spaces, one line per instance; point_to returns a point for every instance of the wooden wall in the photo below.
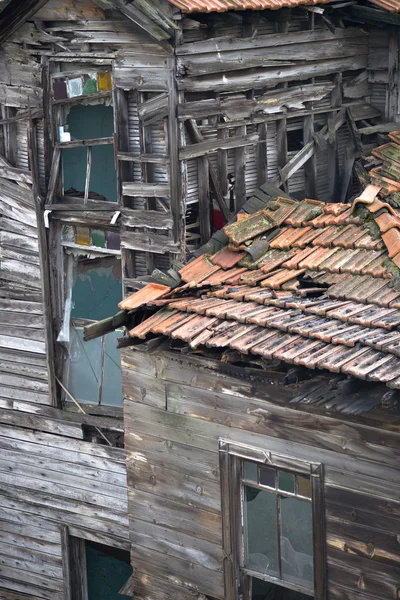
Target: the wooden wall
pixel 177 408
pixel 52 483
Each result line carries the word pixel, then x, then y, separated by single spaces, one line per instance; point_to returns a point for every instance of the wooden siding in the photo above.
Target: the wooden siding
pixel 47 482
pixel 173 421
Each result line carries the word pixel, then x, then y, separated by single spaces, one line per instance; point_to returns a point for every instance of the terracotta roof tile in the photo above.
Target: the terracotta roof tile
pixel 288 236
pixel 306 238
pixel 275 281
pixel 167 325
pixel 305 211
pixel 145 327
pixel 392 241
pixel 280 209
pixel 192 328
pixel 262 307
pixel 151 291
pixel 386 221
pixel 206 6
pixel 348 237
pixel 226 258
pixel 255 224
pixel 221 276
pixel 367 241
pixel 274 259
pixel 317 257
pixel 198 269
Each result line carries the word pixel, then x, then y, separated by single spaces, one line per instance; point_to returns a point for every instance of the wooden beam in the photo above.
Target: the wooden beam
pixel 202 148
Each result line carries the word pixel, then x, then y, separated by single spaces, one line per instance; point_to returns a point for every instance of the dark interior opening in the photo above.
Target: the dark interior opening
pixel 263 590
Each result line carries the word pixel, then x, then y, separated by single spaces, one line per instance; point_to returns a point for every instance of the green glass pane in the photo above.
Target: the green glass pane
pixel 267 476
pixel 304 486
pixel 297 541
pixel 260 530
pixel 250 471
pixel 286 482
pixel 98 238
pixel 90 86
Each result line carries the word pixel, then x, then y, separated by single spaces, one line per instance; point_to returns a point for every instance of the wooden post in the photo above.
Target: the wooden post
pixel 393 97
pixel 44 264
pixel 240 171
pixel 261 154
pixel 310 168
pixel 177 203
pixel 282 145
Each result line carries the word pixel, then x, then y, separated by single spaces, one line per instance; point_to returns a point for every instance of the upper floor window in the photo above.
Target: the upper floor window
pixel 276 537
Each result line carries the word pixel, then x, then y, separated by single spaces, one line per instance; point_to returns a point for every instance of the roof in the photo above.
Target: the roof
pixel 204 6
pixel 308 283
pixel 189 6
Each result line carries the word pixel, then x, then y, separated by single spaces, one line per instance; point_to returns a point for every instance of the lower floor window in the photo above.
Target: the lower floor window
pixel 277 525
pixel 274 516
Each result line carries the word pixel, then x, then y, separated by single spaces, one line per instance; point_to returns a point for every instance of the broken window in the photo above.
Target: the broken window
pixel 83 165
pixel 97 571
pixel 94 289
pixel 275 512
pixel 90 167
pixel 278 529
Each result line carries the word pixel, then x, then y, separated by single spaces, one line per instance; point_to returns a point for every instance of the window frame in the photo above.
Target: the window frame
pixel 237 578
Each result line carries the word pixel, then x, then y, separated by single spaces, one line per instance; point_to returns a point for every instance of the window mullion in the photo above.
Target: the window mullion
pixel 278 516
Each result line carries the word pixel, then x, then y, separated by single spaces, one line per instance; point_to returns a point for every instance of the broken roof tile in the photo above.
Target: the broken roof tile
pixel 151 291
pixel 280 209
pixel 258 307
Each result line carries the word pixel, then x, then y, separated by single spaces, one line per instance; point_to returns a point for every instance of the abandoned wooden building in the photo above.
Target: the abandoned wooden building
pixel 228 173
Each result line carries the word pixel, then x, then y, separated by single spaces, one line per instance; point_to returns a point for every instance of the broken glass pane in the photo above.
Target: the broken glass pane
pixel 85 123
pixel 84 367
pixel 286 482
pixel 250 471
pixel 267 476
pixel 297 541
pixel 260 526
pixel 97 288
pixel 112 382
